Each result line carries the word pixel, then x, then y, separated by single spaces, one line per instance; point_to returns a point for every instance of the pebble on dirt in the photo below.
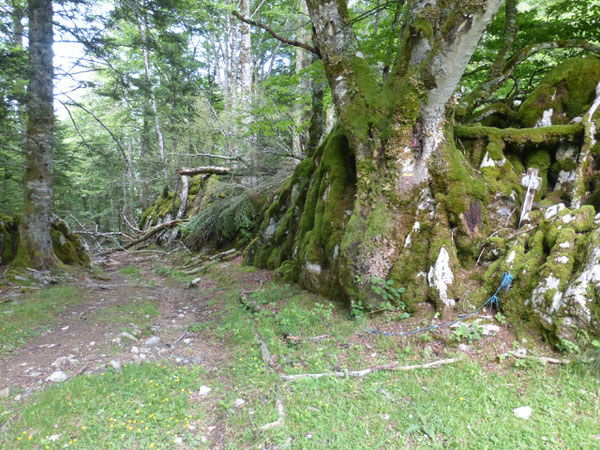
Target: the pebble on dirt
pixel 58 376
pixel 204 390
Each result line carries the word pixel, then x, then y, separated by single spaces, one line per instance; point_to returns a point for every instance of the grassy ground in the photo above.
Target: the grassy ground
pixel 20 322
pixel 467 404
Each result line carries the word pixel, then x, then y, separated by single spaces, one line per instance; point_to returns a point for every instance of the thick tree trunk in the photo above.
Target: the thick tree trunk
pixel 388 186
pixel 35 244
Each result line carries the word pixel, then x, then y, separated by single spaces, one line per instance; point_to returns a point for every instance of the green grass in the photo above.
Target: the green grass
pixel 174 275
pixel 140 312
pixel 31 314
pixel 145 406
pixel 132 271
pixel 467 404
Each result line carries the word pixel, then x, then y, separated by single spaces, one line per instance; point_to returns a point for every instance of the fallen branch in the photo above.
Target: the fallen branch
pixel 541 359
pixel 194 283
pixel 299 340
pixel 152 232
pixel 280 409
pixel 268 362
pixel 224 256
pixel 215 170
pixel 361 373
pixel 249 302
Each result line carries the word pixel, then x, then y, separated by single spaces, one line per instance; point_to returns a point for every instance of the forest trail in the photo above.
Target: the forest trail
pixel 202 380
pixel 116 320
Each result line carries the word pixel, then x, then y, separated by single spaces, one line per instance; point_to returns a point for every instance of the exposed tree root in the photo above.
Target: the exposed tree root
pixel 361 373
pixel 542 359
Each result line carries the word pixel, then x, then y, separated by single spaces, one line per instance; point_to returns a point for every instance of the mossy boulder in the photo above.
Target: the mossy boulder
pixel 68 247
pixel 565 93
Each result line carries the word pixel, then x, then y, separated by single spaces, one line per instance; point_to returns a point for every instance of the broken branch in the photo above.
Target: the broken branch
pixel 215 170
pixel 275 35
pixel 361 373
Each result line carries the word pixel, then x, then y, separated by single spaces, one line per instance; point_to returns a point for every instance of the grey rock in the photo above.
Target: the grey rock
pixel 54 437
pixel 152 342
pixel 5 392
pixel 58 377
pixel 126 335
pixel 238 402
pixel 135 350
pixel 489 329
pixel 115 365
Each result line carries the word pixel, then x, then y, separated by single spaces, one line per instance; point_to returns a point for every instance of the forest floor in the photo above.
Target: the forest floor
pixel 151 363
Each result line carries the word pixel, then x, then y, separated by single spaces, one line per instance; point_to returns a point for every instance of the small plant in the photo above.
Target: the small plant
pixel 468 334
pixel 569 347
pixel 426 337
pixel 594 355
pixel 386 290
pixel 501 318
pixel 357 309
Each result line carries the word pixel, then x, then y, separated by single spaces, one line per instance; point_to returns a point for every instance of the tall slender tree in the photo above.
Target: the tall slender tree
pixel 35 244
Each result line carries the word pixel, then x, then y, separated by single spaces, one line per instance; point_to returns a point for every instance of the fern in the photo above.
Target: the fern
pixel 233 212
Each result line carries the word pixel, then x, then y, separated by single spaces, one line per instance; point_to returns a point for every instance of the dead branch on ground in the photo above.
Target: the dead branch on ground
pixel 361 373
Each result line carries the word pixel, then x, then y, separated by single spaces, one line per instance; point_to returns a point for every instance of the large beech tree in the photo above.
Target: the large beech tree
pixel 35 243
pixel 401 149
pixel 400 192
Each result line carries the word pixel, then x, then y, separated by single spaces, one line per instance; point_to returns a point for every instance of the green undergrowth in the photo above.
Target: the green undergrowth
pixel 171 275
pixel 131 271
pixel 28 315
pixel 139 311
pixel 466 404
pixel 144 406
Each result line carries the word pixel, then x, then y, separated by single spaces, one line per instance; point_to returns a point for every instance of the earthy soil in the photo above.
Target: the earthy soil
pixel 79 341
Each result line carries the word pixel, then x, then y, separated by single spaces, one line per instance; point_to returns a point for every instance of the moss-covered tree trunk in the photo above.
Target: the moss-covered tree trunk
pixel 413 204
pixel 35 244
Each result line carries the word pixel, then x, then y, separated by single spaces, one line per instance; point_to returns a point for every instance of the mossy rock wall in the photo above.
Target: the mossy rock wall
pixel 68 247
pixel 557 273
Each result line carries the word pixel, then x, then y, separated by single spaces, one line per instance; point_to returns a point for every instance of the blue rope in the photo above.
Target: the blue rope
pixel 493 301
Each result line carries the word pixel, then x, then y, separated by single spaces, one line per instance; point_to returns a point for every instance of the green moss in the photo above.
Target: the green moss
pixel 541 160
pixel 542 135
pixel 568 90
pixel 68 248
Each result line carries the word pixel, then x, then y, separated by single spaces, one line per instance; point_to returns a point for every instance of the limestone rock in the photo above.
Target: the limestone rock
pixel 58 377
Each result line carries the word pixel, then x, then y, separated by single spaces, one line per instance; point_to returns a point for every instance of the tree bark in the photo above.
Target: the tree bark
pixel 245 59
pixel 400 183
pixel 143 32
pixel 35 244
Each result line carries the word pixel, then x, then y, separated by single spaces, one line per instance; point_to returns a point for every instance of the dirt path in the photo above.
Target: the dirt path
pixel 117 322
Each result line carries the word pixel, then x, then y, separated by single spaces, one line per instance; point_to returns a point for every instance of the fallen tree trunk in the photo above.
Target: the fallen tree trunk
pixel 214 170
pixel 144 237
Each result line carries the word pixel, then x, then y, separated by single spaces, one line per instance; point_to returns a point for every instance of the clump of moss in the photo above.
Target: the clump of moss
pixel 568 90
pixel 68 247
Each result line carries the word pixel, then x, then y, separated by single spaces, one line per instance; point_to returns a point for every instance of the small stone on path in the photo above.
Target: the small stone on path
pixel 204 390
pixel 134 349
pixel 58 377
pixel 115 365
pixel 152 342
pixel 4 393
